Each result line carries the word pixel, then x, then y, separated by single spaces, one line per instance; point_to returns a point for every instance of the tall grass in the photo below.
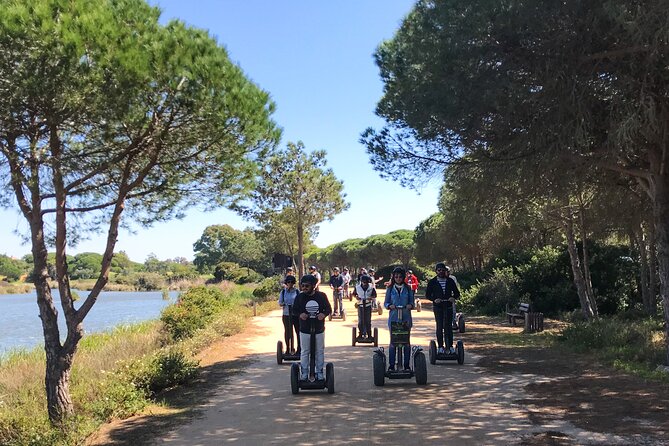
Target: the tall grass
pixel 636 346
pixel 114 375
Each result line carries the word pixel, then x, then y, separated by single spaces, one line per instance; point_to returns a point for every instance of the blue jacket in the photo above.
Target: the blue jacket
pixel 399 300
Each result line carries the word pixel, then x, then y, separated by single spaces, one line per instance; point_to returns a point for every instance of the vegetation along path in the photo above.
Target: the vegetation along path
pixel 501 395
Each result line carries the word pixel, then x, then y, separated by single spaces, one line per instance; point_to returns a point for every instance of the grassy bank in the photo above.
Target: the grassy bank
pixel 635 346
pixel 115 375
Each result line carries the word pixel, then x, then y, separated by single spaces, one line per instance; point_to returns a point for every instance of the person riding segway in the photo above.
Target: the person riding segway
pixel 290 323
pixel 365 295
pixel 442 291
pixel 400 301
pixel 312 307
pixel 337 287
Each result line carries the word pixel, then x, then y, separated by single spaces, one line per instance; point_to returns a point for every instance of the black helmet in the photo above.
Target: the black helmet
pixel 440 266
pixel 336 268
pixel 309 279
pixel 289 279
pixel 312 267
pixel 365 278
pixel 399 270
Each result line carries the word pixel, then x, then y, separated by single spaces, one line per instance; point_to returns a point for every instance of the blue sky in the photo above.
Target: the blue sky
pixel 315 59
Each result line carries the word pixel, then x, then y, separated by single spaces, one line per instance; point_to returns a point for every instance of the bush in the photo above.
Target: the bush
pixel 235 273
pixel 618 341
pixel 268 289
pixel 194 309
pixel 492 295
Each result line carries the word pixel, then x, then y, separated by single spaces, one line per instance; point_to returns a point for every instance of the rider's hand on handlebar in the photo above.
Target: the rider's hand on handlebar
pixel 320 316
pixel 304 316
pixel 409 307
pixel 437 300
pixel 391 307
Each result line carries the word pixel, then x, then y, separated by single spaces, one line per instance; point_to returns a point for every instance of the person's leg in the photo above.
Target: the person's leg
pixel 439 319
pixel 407 356
pixel 368 320
pixel 449 326
pixel 361 320
pixel 391 357
pixel 296 328
pixel 286 331
pixel 320 355
pixel 341 301
pixel 304 356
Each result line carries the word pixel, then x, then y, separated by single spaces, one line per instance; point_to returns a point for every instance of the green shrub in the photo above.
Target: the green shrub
pixel 235 273
pixel 492 295
pixel 268 289
pixel 620 342
pixel 194 309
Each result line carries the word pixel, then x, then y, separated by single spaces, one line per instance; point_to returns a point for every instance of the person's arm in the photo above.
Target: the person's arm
pixel 326 304
pixel 428 292
pixel 456 291
pixel 387 301
pixel 282 301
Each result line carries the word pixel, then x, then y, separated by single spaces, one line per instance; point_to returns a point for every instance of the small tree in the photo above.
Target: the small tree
pixel 296 190
pixel 104 112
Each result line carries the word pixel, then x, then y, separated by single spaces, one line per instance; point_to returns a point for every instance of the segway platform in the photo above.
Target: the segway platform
pixel 283 356
pixel 459 354
pixel 297 384
pixel 341 315
pixel 365 339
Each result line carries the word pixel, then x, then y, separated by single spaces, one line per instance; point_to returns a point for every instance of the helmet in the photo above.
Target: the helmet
pixel 410 272
pixel 365 278
pixel 289 279
pixel 371 270
pixel 399 270
pixel 336 268
pixel 309 279
pixel 312 268
pixel 290 268
pixel 441 266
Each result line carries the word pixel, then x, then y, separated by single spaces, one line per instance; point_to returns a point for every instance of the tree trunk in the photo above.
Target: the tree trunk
pixel 652 270
pixel 661 215
pixel 640 241
pixel 300 249
pixel 579 280
pixel 587 277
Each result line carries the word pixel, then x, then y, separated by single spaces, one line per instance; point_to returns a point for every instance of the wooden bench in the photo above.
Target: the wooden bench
pixel 523 309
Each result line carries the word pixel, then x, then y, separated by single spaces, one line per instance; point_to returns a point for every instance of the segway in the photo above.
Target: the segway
pixel 458 320
pixel 368 338
pixel 459 354
pixel 399 337
pixel 280 354
pixel 337 294
pixel 311 383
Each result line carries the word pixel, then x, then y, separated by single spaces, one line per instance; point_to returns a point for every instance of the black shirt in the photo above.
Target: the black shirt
pixel 320 303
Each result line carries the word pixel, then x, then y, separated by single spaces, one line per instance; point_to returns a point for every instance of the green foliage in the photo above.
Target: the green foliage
pixel 235 273
pixel 223 243
pixel 627 344
pixel 193 311
pixel 12 269
pixel 492 295
pixel 268 289
pixel 143 281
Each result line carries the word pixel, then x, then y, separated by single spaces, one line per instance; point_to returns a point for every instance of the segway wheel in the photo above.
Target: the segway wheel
pixel 355 336
pixel 379 370
pixel 420 368
pixel 329 377
pixel 294 378
pixel 279 352
pixel 343 315
pixel 376 337
pixel 460 350
pixel 461 323
pixel 330 317
pixel 433 352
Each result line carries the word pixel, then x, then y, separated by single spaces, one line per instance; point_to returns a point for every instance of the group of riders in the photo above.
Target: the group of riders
pixel 441 290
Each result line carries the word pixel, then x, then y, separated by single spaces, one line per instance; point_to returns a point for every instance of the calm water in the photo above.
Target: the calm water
pixel 20 326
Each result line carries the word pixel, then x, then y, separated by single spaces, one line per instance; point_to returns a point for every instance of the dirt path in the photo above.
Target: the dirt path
pixel 461 405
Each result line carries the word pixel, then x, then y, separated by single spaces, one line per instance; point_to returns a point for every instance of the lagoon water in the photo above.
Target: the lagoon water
pixel 20 326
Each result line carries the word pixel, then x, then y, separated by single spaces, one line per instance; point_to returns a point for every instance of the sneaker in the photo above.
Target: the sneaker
pixel 320 377
pixel 440 350
pixel 391 368
pixel 407 368
pixel 304 377
pixel 451 350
